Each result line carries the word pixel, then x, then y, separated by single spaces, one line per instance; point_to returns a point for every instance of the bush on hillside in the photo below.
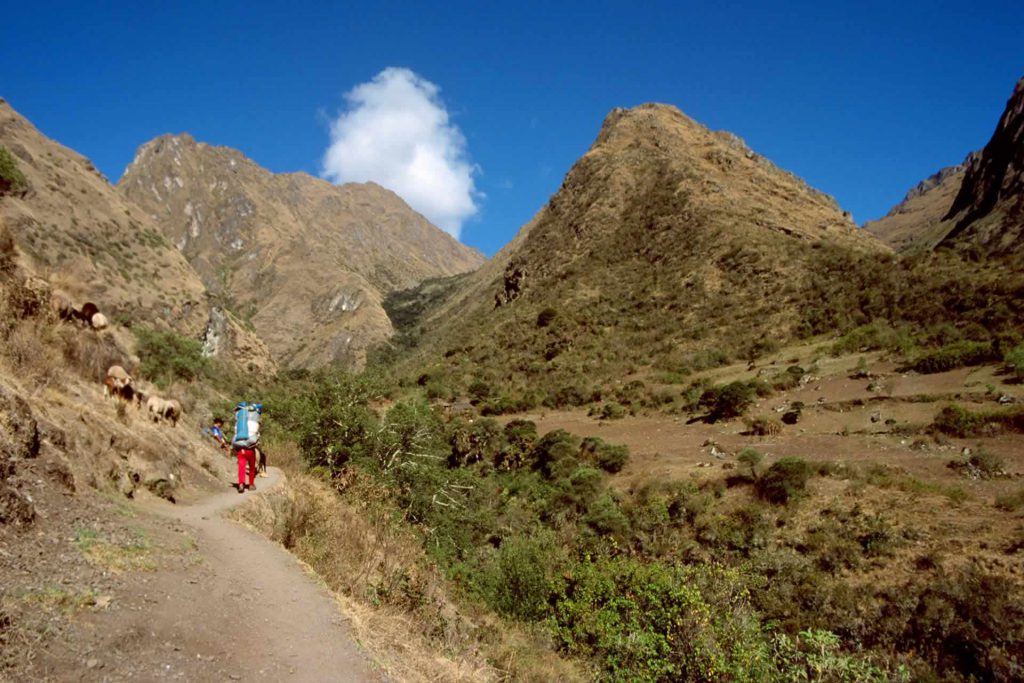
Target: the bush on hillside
pixel 956 355
pixel 8 252
pixel 168 356
pixel 524 575
pixel 545 317
pixel 556 453
pixel 520 437
pixel 783 481
pixel 875 336
pixel 957 421
pixel 750 457
pixel 727 401
pixel 609 457
pixel 1015 360
pixel 12 180
pixel 476 441
pixel 655 622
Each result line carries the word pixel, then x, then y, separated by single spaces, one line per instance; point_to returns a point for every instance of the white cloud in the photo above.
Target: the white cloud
pixel 396 132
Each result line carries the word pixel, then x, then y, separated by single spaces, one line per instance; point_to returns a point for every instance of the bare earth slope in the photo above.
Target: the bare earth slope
pixel 306 261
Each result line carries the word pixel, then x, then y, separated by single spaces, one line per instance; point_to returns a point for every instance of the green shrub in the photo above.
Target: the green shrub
pixel 168 356
pixel 1015 360
pixel 654 622
pixel 330 417
pixel 476 441
pixel 878 335
pixel 727 401
pixel 520 437
pixel 526 572
pixel 609 457
pixel 555 453
pixel 980 464
pixel 437 389
pixel 545 317
pixel 783 481
pixel 1011 502
pixel 605 517
pixel 957 421
pixel 955 355
pixel 12 180
pixel 612 411
pixel 479 389
pixel 751 457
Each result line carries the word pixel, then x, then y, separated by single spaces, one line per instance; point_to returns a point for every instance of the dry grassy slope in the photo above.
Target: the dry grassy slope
pixel 988 212
pixel 663 223
pixel 307 261
pixel 75 230
pixel 916 219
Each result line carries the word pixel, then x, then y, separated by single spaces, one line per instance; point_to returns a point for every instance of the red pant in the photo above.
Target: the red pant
pixel 246 456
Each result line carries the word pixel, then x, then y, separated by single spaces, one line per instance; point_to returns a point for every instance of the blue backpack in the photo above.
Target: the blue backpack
pixel 247 424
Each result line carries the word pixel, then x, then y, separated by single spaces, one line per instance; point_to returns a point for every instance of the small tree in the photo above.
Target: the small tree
pixel 783 481
pixel 168 356
pixel 751 457
pixel 1015 360
pixel 11 177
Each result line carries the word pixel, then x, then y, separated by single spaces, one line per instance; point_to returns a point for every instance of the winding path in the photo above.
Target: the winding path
pixel 241 609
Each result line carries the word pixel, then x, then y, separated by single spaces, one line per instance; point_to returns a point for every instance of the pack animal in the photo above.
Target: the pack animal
pixel 164 409
pixel 118 385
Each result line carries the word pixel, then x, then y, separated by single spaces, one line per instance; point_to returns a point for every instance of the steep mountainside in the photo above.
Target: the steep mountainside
pixel 307 262
pixel 977 206
pixel 988 212
pixel 663 236
pixel 920 214
pixel 75 230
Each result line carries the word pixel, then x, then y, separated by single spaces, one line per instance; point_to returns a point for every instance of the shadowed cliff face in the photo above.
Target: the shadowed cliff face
pixel 989 208
pixel 306 262
pixel 914 220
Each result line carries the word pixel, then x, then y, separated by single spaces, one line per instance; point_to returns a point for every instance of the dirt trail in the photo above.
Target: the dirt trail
pixel 242 609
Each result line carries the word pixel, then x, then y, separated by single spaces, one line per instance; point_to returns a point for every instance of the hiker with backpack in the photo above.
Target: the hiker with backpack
pixel 245 440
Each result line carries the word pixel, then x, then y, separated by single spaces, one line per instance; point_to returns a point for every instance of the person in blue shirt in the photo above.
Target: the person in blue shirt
pixel 217 433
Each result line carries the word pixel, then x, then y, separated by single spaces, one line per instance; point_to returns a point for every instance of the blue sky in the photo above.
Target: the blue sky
pixel 862 101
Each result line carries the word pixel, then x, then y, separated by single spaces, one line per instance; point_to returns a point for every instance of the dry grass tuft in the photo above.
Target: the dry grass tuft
pixel 30 353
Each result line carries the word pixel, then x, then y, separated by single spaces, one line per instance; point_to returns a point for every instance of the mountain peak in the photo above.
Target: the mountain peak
pixel 306 262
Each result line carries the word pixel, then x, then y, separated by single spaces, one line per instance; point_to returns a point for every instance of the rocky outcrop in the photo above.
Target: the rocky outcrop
pixel 988 211
pixel 306 263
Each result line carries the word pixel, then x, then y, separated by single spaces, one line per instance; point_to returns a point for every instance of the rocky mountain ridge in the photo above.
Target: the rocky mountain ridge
pixel 306 262
pixel 664 233
pixel 77 233
pixel 921 211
